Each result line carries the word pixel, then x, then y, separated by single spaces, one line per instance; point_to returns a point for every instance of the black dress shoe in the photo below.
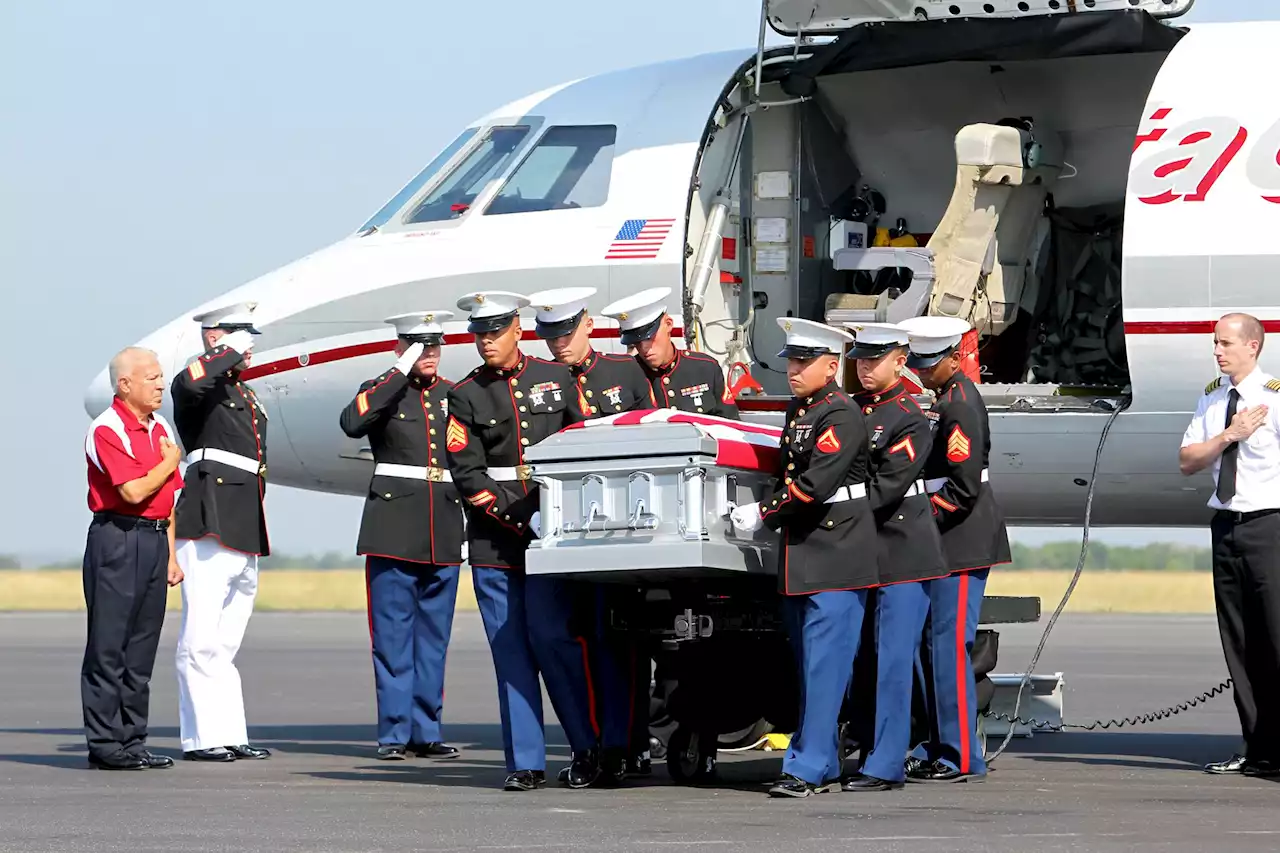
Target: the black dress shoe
pixel 865 784
pixel 153 761
pixel 613 768
pixel 1262 769
pixel 792 786
pixel 434 749
pixel 216 753
pixel 1235 764
pixel 119 760
pixel 391 752
pixel 525 780
pixel 246 751
pixel 583 771
pixel 936 771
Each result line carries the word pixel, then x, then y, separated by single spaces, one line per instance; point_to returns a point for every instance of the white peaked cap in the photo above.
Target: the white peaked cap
pixel 809 339
pixel 490 310
pixel 420 323
pixel 933 338
pixel 872 340
pixel 558 310
pixel 638 314
pixel 238 315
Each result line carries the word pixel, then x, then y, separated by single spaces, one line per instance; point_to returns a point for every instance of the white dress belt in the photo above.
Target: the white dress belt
pixel 412 472
pixel 937 483
pixel 848 493
pixel 235 460
pixel 520 472
pixel 917 488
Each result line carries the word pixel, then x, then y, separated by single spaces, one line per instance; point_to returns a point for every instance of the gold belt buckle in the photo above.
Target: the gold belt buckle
pixel 262 470
pixel 524 472
pixel 435 475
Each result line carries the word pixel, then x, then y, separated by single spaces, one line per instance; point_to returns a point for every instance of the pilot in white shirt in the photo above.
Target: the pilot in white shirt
pixel 1236 434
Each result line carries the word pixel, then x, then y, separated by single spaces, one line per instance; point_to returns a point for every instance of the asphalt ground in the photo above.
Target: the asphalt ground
pixel 309 693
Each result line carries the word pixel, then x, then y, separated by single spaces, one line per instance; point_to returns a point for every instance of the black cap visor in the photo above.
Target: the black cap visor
pixel 238 327
pixel 642 333
pixel 490 324
pixel 871 350
pixel 806 353
pixel 923 361
pixel 560 328
pixel 432 339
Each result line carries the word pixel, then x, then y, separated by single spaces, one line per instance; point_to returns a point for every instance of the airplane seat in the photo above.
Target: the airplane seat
pixel 982 247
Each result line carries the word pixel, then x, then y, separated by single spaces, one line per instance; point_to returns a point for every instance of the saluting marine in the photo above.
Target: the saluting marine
pixel 974 539
pixel 495 413
pixel 910 548
pixel 827 556
pixel 688 381
pixel 410 536
pixel 221 531
pixel 566 614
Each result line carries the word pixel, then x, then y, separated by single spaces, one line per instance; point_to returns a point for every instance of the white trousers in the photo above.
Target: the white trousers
pixel 217 601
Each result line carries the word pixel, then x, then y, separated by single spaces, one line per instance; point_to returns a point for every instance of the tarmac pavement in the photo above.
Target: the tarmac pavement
pixel 309 694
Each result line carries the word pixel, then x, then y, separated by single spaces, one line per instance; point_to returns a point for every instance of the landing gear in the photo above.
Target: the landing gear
pixel 691 756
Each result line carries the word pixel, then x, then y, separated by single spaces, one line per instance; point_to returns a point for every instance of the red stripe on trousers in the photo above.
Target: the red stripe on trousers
pixel 962 656
pixel 591 688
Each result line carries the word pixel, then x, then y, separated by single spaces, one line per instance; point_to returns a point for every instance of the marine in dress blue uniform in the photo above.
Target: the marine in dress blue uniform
pixel 680 379
pixel 974 539
pixel 827 554
pixel 410 535
pixel 910 548
pixel 221 531
pixel 495 413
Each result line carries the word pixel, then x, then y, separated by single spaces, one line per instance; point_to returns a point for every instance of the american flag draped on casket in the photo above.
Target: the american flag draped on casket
pixel 751 447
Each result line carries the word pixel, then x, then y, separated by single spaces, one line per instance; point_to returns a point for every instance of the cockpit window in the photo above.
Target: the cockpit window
pixel 568 168
pixel 419 181
pixel 452 196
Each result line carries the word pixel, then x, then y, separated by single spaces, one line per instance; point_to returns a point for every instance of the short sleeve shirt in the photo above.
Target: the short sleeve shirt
pixel 1258 463
pixel 120 448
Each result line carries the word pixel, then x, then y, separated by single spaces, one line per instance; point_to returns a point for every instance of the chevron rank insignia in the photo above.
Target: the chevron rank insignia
pixel 1209 389
pixel 196 369
pixel 957 445
pixel 827 442
pixel 455 435
pixel 1273 385
pixel 362 403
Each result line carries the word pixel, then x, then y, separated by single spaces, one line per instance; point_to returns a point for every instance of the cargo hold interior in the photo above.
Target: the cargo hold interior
pixel 859 149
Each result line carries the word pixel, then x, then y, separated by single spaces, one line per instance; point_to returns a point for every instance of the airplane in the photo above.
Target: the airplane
pixel 1087 182
pixel 748 180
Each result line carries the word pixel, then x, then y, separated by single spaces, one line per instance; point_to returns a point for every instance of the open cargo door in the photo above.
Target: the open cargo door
pixel 789 17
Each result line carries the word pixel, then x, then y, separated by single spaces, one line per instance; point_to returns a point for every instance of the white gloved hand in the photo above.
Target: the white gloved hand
pixel 240 341
pixel 746 518
pixel 410 358
pixel 535 523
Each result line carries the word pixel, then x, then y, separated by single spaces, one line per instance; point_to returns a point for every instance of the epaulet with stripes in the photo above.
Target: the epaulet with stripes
pixel 1273 384
pixel 1209 389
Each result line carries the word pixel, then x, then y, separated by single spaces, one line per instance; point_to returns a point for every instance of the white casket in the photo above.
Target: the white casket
pixel 646 496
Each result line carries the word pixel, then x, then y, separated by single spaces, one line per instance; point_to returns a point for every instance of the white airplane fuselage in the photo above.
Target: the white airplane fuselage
pixel 1200 187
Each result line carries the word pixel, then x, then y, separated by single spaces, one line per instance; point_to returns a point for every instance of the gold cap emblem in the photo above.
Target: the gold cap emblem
pixel 787 325
pixel 622 316
pixel 547 307
pixel 479 297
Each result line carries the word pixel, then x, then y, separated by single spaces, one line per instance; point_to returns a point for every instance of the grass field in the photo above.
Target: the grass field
pixel 1097 592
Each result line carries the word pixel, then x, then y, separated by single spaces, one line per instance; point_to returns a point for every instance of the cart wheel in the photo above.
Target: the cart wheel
pixel 744 737
pixel 691 758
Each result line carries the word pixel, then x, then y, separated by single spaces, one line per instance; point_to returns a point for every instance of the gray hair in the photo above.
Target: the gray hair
pixel 122 362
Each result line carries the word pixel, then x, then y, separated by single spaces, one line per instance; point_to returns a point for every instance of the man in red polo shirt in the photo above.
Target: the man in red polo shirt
pixel 128 557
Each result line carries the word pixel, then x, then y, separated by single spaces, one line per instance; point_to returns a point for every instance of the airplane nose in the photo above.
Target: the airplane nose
pixel 97 397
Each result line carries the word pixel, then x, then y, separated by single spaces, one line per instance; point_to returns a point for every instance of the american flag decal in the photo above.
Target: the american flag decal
pixel 639 239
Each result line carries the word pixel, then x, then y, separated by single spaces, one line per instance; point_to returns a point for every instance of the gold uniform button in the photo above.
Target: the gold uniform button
pixel 433 430
pixel 800 414
pixel 899 518
pixel 387 495
pixel 506 518
pixel 431 417
pixel 671 393
pixel 791 466
pixel 524 408
pixel 831 524
pixel 519 395
pixel 582 380
pixel 220 483
pixel 524 441
pixel 402 415
pixel 433 445
pixel 790 425
pixel 588 392
pixel 699 408
pixel 666 380
pixel 788 481
pixel 492 421
pixel 524 425
pixel 593 410
pixel 867 410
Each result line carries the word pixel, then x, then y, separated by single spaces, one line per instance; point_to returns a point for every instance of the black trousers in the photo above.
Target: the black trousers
pixel 1246 591
pixel 125 582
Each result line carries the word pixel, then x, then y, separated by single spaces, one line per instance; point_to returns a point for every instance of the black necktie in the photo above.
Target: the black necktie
pixel 1227 473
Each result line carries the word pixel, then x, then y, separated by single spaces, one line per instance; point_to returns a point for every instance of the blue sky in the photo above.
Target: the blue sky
pixel 154 155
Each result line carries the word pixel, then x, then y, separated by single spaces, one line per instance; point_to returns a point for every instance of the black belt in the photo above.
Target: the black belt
pixel 1241 517
pixel 130 522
